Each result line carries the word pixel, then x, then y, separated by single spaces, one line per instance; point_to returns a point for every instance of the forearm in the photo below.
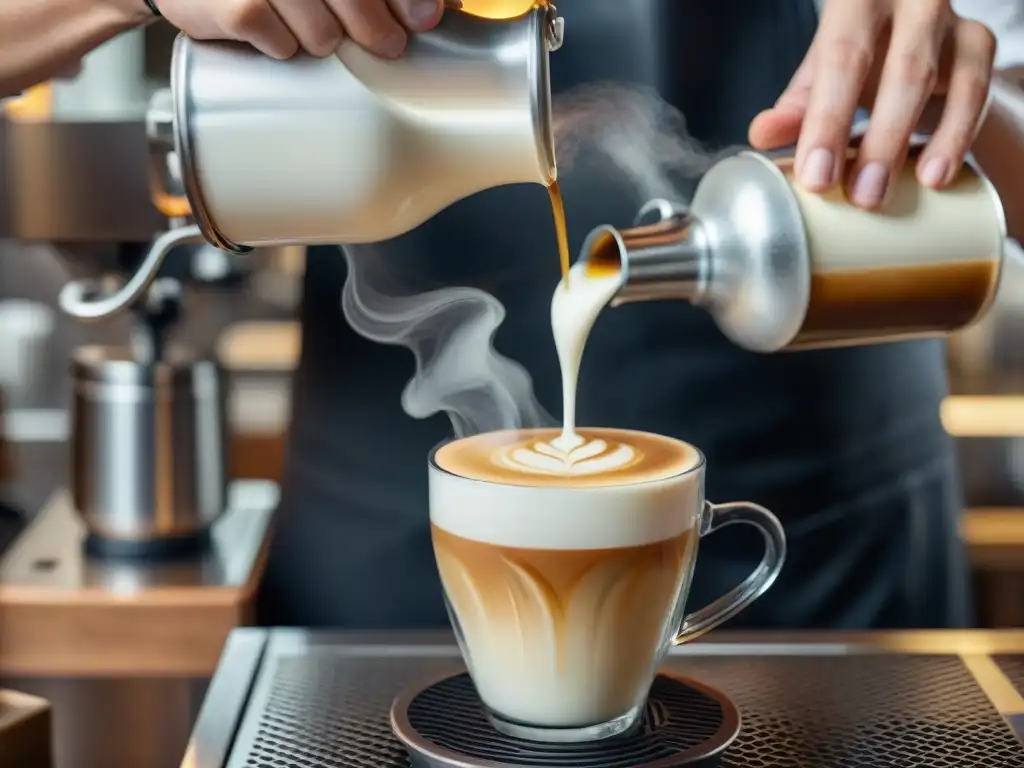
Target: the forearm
pixel 999 148
pixel 39 38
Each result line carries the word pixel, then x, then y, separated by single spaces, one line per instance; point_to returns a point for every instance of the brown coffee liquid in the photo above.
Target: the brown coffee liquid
pixel 616 598
pixel 558 212
pixel 604 259
pixel 898 301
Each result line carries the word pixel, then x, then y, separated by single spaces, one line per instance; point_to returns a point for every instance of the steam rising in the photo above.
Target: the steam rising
pixel 632 131
pixel 451 331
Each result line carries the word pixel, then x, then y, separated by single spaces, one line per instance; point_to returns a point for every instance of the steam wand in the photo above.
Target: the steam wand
pixel 153 317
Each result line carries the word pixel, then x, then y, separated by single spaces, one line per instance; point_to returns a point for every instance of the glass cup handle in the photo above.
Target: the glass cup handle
pixel 713 518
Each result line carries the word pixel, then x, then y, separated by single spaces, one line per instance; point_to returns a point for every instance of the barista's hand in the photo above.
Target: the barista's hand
pixel 280 28
pixel 890 56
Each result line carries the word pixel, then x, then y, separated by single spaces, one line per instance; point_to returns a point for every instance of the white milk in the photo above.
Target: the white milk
pixel 574 309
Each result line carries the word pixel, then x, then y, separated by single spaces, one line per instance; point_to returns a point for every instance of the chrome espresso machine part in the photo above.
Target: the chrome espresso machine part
pixel 350 148
pixel 781 268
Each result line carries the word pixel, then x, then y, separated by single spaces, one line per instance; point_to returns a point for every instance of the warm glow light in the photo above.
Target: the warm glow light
pixel 34 104
pixel 498 9
pixel 983 415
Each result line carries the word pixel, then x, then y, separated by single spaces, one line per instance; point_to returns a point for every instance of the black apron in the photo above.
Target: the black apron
pixel 845 446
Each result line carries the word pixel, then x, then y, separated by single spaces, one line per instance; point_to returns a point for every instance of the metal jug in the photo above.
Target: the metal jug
pixel 351 148
pixel 148 449
pixel 779 267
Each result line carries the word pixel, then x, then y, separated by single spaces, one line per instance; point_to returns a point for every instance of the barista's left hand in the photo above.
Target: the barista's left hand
pixel 890 56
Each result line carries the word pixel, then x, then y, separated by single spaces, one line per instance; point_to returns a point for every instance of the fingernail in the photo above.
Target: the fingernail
pixel 819 170
pixel 934 171
pixel 423 12
pixel 869 187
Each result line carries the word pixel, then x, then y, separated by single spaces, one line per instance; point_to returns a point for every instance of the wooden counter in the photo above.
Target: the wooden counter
pixel 63 614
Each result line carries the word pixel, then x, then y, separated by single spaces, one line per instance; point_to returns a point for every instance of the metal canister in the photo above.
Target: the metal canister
pixel 148 461
pixel 354 148
pixel 347 149
pixel 779 267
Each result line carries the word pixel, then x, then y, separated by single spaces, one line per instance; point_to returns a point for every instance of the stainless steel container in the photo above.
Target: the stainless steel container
pixel 353 148
pixel 148 459
pixel 347 149
pixel 782 268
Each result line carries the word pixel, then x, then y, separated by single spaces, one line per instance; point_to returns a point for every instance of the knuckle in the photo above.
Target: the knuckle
pixel 980 36
pixel 829 126
pixel 324 41
pixel 884 144
pixel 917 67
pixel 975 85
pixel 243 16
pixel 848 55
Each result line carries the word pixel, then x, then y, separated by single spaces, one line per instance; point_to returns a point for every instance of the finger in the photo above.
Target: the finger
pixel 844 52
pixel 974 50
pixel 798 92
pixel 780 125
pixel 908 79
pixel 257 23
pixel 69 71
pixel 311 23
pixel 774 128
pixel 417 15
pixel 371 24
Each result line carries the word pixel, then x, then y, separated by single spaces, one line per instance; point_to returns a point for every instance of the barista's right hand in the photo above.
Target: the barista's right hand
pixel 281 28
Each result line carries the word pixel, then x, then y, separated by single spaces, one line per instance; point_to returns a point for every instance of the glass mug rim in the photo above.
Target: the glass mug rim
pixel 696 468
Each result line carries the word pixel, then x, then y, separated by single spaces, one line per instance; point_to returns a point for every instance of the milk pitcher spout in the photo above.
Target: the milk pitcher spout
pixel 781 268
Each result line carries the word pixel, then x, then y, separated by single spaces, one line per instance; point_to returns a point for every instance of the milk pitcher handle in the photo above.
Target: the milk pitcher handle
pixel 84 299
pixel 713 518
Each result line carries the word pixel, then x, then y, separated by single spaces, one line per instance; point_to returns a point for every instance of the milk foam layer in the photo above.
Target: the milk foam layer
pixel 475 495
pixel 534 457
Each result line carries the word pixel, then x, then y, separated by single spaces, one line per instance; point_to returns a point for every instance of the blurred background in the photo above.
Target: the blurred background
pixel 124 645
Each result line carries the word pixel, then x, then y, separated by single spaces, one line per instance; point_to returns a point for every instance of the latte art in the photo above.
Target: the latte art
pixel 589 458
pixel 542 457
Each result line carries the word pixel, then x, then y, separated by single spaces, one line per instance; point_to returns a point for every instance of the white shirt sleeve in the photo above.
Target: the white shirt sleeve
pixel 1006 19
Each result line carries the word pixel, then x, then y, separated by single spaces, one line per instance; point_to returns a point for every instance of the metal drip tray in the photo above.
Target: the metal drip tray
pixel 291 699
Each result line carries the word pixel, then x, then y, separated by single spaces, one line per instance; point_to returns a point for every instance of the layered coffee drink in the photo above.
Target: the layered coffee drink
pixel 566 553
pixel 565 573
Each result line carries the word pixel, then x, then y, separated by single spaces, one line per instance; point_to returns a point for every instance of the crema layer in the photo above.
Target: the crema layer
pixel 536 457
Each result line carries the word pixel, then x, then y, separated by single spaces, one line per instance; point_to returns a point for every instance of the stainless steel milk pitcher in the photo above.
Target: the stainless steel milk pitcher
pixel 779 267
pixel 351 148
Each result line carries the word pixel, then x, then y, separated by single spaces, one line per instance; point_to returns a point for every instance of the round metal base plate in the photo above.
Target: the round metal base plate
pixel 443 725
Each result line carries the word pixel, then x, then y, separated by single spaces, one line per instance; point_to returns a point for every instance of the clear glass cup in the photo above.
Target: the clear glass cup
pixel 565 601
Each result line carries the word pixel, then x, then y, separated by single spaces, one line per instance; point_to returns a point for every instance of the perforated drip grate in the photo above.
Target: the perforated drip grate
pixel 860 712
pixel 331 710
pixel 682 723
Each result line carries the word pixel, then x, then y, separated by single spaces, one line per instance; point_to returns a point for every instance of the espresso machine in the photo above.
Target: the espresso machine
pixel 147 431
